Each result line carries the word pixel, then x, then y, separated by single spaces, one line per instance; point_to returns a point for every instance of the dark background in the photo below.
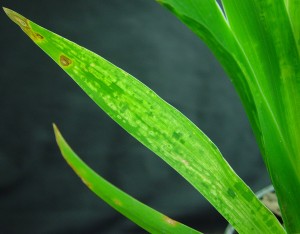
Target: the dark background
pixel 39 193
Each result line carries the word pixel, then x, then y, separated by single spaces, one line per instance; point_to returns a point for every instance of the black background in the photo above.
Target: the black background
pixel 39 193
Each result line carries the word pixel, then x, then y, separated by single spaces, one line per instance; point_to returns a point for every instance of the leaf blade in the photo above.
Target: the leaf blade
pixel 146 217
pixel 293 9
pixel 160 127
pixel 266 33
pixel 212 27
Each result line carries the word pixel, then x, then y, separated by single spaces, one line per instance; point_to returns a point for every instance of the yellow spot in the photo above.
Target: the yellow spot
pixel 65 61
pixel 86 183
pixel 170 221
pixel 21 22
pixel 17 18
pixel 184 162
pixel 117 202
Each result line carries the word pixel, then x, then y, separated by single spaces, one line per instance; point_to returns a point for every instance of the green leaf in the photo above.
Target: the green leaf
pixel 293 9
pixel 255 42
pixel 158 126
pixel 267 33
pixel 207 21
pixel 144 216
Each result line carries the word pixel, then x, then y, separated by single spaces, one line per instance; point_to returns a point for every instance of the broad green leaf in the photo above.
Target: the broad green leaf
pixel 272 109
pixel 146 217
pixel 207 21
pixel 158 126
pixel 265 32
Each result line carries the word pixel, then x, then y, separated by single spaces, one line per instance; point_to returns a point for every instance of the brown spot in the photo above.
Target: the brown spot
pixel 21 21
pixel 39 36
pixel 117 202
pixel 170 221
pixel 65 61
pixel 17 18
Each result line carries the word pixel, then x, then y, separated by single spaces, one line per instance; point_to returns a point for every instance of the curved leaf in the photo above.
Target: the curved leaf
pixel 144 216
pixel 207 21
pixel 257 46
pixel 267 32
pixel 158 126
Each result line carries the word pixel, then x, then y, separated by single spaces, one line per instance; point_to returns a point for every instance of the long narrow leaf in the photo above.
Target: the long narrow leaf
pixel 158 126
pixel 146 217
pixel 265 32
pixel 207 21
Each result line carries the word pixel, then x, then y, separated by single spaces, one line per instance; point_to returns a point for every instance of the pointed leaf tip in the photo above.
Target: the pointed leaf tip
pixel 58 136
pixel 55 128
pixel 144 216
pixel 56 131
pixel 6 10
pixel 17 18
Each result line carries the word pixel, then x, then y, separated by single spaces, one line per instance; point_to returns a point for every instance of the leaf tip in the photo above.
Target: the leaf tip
pixel 57 134
pixel 55 128
pixel 6 10
pixel 17 18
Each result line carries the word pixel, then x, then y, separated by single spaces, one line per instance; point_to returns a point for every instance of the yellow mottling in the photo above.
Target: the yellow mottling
pixel 24 24
pixel 170 221
pixel 91 86
pixel 185 162
pixel 117 202
pixel 20 21
pixel 73 52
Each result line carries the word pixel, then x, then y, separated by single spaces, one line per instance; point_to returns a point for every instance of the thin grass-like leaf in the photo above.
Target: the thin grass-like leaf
pixel 158 126
pixel 144 216
pixel 262 61
pixel 207 21
pixel 265 31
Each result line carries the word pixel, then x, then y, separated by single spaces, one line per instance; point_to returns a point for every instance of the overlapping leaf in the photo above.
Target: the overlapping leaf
pixel 264 46
pixel 159 126
pixel 267 32
pixel 207 21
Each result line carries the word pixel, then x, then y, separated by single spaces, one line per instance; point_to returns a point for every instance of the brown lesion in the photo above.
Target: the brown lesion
pixel 170 221
pixel 17 18
pixel 24 23
pixel 38 36
pixel 64 61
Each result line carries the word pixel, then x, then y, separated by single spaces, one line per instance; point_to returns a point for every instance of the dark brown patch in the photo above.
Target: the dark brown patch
pixel 65 61
pixel 39 36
